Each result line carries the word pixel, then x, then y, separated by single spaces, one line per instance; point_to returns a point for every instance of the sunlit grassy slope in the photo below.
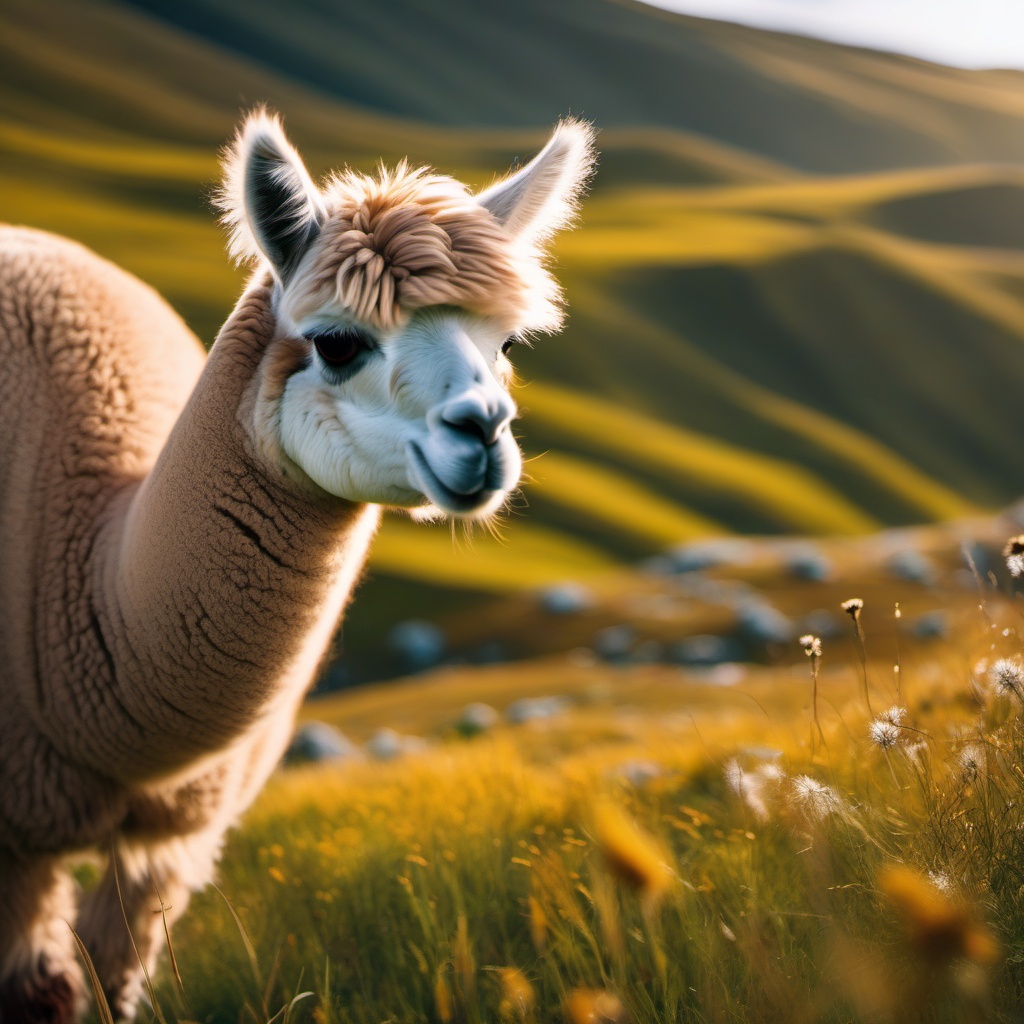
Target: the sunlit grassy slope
pixel 751 347
pixel 671 845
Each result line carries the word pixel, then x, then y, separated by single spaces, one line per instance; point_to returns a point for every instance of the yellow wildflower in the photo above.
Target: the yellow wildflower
pixel 632 855
pixel 939 928
pixel 590 1006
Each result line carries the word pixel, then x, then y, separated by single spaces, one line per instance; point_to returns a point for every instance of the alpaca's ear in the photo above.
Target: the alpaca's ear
pixel 267 198
pixel 540 198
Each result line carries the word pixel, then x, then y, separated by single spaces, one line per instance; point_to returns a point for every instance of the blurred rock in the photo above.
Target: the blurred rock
pixel 699 587
pixel 492 652
pixel 318 742
pixel 532 709
pixel 758 622
pixel 638 773
pixel 912 566
pixel 708 554
pixel 566 598
pixel 822 623
pixel 706 649
pixel 419 644
pixel 657 565
pixel 931 626
pixel 476 718
pixel 386 745
pixel 726 674
pixel 806 562
pixel 647 652
pixel 614 642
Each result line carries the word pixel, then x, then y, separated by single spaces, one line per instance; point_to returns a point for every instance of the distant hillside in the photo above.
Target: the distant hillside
pixel 797 296
pixel 483 63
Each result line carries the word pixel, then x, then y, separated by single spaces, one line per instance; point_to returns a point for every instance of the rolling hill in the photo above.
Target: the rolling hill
pixel 797 295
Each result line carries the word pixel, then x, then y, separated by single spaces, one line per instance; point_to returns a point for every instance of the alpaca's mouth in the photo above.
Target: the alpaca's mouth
pixel 439 493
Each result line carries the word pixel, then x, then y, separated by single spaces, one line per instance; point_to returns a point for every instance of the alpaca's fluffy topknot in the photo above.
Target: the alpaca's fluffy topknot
pixel 408 238
pixel 383 245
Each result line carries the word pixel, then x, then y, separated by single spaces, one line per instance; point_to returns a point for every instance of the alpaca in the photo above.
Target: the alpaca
pixel 180 535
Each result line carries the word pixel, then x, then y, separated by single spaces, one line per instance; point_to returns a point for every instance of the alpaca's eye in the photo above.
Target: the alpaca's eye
pixel 506 345
pixel 339 348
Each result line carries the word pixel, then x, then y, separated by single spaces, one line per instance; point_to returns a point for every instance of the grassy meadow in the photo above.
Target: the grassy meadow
pixel 818 838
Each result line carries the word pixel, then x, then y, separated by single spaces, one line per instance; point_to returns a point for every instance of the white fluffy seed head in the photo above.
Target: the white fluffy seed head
pixel 759 789
pixel 812 798
pixel 894 715
pixel 811 645
pixel 972 761
pixel 1006 677
pixel 884 734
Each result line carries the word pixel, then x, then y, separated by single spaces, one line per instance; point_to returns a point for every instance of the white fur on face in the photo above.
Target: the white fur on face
pixel 424 421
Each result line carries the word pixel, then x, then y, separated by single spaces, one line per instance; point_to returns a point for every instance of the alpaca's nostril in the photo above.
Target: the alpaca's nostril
pixel 470 426
pixel 471 415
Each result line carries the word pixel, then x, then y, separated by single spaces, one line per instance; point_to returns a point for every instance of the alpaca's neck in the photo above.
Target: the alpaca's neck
pixel 218 580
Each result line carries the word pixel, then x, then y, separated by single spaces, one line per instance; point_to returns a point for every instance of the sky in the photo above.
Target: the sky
pixel 966 33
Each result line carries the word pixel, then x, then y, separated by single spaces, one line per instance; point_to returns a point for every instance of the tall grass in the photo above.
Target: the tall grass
pixel 523 877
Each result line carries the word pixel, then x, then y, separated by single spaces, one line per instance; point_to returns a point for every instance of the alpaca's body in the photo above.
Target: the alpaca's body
pixel 98 369
pixel 178 536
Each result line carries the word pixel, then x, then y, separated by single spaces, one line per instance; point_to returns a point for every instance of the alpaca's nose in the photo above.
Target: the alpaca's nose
pixel 479 414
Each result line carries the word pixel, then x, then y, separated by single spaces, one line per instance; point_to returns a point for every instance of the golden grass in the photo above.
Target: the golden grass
pixel 527 875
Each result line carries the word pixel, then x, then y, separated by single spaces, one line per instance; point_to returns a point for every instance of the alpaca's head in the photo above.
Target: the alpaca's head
pixel 397 298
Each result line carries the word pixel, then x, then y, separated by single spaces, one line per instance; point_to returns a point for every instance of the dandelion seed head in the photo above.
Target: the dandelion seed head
pixel 769 772
pixel 813 798
pixel 1014 546
pixel 756 788
pixel 895 715
pixel 734 776
pixel 1013 552
pixel 811 645
pixel 1007 677
pixel 852 606
pixel 884 734
pixel 972 761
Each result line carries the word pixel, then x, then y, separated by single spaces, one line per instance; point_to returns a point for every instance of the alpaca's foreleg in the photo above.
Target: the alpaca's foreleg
pixel 144 890
pixel 41 981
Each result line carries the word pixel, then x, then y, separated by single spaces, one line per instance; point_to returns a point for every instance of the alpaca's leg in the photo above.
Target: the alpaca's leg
pixel 41 981
pixel 142 888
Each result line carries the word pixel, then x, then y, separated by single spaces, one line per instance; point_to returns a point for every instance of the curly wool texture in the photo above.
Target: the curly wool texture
pixel 408 239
